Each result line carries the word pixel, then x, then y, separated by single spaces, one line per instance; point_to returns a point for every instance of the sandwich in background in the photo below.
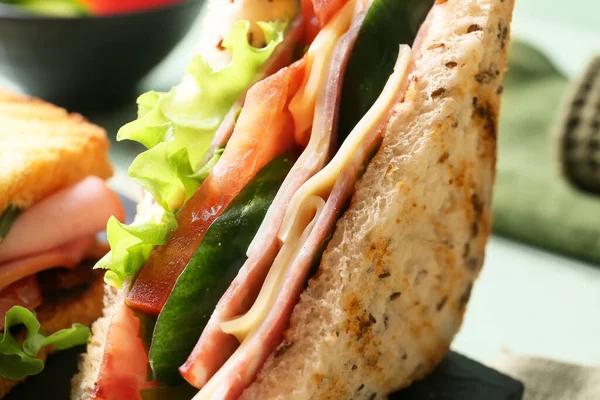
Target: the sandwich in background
pixel 53 203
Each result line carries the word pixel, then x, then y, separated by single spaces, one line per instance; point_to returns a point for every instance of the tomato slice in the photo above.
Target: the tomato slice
pixel 105 7
pixel 317 14
pixel 25 292
pixel 263 131
pixel 124 365
pixel 311 23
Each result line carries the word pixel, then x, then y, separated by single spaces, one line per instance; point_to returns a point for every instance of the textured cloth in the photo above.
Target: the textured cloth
pixel 533 202
pixel 551 380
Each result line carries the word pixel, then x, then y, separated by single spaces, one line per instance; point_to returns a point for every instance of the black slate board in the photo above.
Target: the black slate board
pixel 460 378
pixel 456 378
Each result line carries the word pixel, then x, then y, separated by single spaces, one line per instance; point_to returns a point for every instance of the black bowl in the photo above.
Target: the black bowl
pixel 81 61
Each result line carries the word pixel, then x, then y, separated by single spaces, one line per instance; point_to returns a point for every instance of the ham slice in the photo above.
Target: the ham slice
pixel 25 293
pixel 124 366
pixel 68 255
pixel 214 346
pixel 79 211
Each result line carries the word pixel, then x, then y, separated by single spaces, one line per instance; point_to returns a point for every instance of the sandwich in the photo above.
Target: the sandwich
pixel 53 202
pixel 317 204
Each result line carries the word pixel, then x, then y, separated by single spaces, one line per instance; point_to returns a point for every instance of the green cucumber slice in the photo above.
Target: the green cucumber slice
pixel 210 271
pixel 6 220
pixel 387 25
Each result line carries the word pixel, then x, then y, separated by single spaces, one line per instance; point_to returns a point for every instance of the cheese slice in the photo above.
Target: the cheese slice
pixel 322 183
pixel 308 202
pixel 300 231
pixel 318 59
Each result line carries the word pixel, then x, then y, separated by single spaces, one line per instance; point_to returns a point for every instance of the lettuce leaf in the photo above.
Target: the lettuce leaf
pixel 177 127
pixel 131 244
pixel 18 361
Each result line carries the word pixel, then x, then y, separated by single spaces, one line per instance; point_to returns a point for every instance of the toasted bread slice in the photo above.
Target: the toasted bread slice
pixel 43 149
pixel 83 307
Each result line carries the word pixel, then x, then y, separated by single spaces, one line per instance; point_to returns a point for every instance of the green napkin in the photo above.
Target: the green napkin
pixel 533 203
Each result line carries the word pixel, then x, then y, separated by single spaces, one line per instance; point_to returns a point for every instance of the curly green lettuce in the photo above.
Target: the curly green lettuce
pixel 131 244
pixel 177 129
pixel 18 361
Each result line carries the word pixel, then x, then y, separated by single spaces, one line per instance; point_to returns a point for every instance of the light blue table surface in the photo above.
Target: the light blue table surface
pixel 526 300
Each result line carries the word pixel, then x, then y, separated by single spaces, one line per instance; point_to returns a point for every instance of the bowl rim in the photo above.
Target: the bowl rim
pixel 12 13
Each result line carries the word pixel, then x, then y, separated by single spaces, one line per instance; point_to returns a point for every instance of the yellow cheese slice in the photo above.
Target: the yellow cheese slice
pixel 322 183
pixel 307 204
pixel 302 228
pixel 318 59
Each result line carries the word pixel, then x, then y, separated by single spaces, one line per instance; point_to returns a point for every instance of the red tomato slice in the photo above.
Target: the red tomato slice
pixel 105 7
pixel 124 365
pixel 25 293
pixel 318 13
pixel 263 131
pixel 311 23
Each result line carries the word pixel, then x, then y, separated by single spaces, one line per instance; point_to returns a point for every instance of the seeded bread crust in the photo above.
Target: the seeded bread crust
pixel 395 279
pixel 43 149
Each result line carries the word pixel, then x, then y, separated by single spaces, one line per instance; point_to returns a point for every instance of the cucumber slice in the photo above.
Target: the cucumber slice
pixel 387 25
pixel 6 220
pixel 210 271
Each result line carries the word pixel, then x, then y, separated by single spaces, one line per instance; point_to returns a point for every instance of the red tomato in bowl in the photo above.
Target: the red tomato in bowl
pixel 106 7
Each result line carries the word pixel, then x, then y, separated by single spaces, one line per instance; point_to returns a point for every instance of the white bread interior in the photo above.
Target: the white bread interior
pixel 394 281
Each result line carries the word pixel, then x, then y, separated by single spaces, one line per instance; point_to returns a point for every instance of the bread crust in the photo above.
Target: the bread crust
pixel 394 282
pixel 43 149
pixel 60 313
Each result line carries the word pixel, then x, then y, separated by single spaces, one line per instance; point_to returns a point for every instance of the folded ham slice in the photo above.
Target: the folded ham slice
pixel 59 231
pixel 72 213
pixel 68 255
